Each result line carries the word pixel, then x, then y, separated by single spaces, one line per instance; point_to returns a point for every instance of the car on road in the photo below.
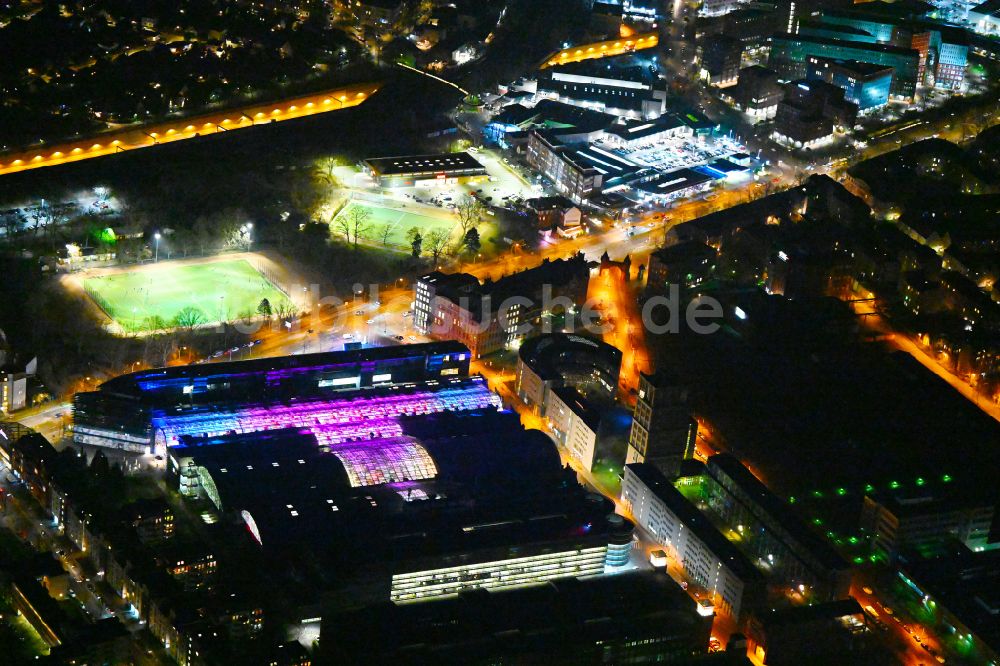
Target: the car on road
pixel 348 336
pixel 413 338
pixel 371 321
pixel 359 313
pixel 399 338
pixel 407 313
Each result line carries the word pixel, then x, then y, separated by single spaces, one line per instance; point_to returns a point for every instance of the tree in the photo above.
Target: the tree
pixel 284 310
pixel 324 172
pixel 384 231
pixel 13 222
pixel 355 223
pixel 471 240
pixel 436 242
pixel 189 317
pixel 416 241
pixel 264 308
pixel 470 213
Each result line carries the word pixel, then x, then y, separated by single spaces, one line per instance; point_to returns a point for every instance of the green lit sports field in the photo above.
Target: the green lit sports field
pixel 400 221
pixel 158 296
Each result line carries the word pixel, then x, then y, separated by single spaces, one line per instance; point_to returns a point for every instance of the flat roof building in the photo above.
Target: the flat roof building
pixel 551 360
pixel 790 55
pixel 706 556
pixel 630 618
pixel 411 170
pixel 495 315
pixel 137 411
pixel 793 552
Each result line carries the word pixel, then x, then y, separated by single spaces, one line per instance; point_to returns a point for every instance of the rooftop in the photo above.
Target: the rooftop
pixel 777 509
pixel 408 164
pixel 696 521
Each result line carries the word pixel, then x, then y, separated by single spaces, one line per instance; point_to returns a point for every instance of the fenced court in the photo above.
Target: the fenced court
pixel 161 296
pixel 399 221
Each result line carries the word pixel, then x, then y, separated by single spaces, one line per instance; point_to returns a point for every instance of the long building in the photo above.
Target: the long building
pixel 706 556
pixel 423 170
pixel 783 543
pixel 790 59
pixel 638 617
pixel 144 410
pixel 490 316
pixel 419 515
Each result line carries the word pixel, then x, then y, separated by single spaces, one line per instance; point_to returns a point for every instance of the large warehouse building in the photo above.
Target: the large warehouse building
pixel 423 170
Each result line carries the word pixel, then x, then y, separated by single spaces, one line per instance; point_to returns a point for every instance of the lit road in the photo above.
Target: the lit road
pixel 623 329
pixel 146 136
pixel 873 320
pixel 904 636
pixel 611 47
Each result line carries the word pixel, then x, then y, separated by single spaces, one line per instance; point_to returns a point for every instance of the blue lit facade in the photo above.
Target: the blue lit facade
pixel 866 85
pixel 790 56
pixel 866 93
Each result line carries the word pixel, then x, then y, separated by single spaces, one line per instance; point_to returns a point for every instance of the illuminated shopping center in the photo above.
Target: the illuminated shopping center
pixel 392 466
pixel 341 395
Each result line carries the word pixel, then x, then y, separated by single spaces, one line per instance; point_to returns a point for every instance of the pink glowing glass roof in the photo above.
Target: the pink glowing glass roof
pixel 387 461
pixel 332 421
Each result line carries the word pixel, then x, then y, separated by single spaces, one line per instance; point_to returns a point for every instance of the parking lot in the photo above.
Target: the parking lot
pixel 679 152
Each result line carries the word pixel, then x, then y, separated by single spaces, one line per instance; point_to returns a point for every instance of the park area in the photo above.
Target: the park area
pixel 399 222
pixel 172 295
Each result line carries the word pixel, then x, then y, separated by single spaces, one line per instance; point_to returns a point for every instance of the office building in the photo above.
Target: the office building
pixel 14 381
pixel 835 632
pixel 704 554
pixel 637 617
pixel 944 50
pixel 925 521
pixel 757 92
pixel 424 170
pixel 790 57
pixel 663 432
pixel 864 84
pixel 720 57
pixel 810 111
pixel 490 316
pixel 575 423
pixel 791 552
pixel 548 361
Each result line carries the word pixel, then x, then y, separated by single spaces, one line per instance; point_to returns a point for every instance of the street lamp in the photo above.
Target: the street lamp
pixel 156 238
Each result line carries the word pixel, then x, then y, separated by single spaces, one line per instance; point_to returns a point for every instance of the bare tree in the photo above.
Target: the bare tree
pixel 13 221
pixel 435 242
pixel 384 231
pixel 284 310
pixel 354 223
pixel 325 173
pixel 470 213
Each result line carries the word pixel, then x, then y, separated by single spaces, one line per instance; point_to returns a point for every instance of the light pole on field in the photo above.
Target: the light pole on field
pixel 156 239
